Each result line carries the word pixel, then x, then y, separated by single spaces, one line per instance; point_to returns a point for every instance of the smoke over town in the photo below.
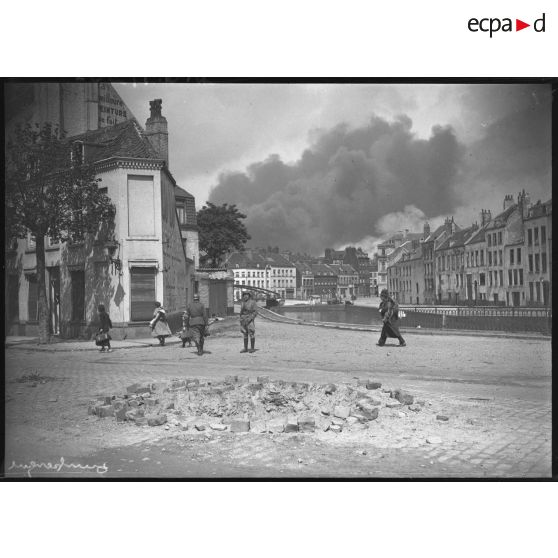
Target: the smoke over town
pixel 353 185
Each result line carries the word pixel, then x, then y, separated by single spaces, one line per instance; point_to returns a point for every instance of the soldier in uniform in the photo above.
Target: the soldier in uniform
pixel 389 310
pixel 196 322
pixel 248 313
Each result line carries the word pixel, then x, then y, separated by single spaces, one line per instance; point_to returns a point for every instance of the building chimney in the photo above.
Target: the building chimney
pixel 485 217
pixel 156 130
pixel 524 202
pixel 426 230
pixel 508 201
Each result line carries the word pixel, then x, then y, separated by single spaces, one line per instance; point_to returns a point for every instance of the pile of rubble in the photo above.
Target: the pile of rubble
pixel 236 404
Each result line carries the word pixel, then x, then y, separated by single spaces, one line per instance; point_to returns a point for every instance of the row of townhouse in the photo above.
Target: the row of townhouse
pixel 505 260
pixel 366 283
pixel 326 280
pixel 268 272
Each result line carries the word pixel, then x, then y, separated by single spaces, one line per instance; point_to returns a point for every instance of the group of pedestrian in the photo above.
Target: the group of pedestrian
pixel 195 324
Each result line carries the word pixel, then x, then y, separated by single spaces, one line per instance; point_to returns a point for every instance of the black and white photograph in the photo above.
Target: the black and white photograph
pixel 278 279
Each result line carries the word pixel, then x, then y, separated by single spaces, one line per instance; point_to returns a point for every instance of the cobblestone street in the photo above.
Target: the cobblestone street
pixel 496 393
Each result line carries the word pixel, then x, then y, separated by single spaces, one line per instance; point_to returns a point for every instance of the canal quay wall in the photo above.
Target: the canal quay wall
pixel 497 320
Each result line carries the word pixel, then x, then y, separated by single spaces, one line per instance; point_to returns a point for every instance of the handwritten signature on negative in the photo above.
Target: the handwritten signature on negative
pixel 56 467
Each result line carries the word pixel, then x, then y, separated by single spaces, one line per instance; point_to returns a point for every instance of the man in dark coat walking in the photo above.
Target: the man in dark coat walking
pixel 389 310
pixel 196 321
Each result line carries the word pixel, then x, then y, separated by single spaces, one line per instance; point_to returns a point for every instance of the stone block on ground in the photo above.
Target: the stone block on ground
pixel 373 385
pixel 335 428
pixel 342 411
pixel 143 389
pixel 326 411
pixel 220 427
pixel 258 426
pixel 330 389
pixel 276 425
pixel 120 414
pixel 338 421
pixel 433 440
pixel 442 418
pixel 132 388
pixel 156 420
pixel 404 397
pixel 292 424
pixel 231 379
pixel 263 379
pixel 415 408
pixel 131 415
pixel 133 403
pixel 306 424
pixel 240 425
pixel 175 384
pixel 103 411
pixel 351 420
pixel 370 412
pixel 200 426
pixel 170 405
pixel 118 404
pixel 140 421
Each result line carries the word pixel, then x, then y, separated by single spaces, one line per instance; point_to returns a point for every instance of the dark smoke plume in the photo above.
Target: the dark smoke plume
pixel 346 185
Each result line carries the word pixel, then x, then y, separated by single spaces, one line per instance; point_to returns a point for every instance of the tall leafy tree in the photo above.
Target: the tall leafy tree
pixel 221 231
pixel 50 192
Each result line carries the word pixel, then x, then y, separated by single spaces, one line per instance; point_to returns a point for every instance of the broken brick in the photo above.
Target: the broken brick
pixel 240 425
pixel 276 425
pixel 373 385
pixel 306 424
pixel 103 411
pixel 342 411
pixel 403 397
pixel 291 425
pixel 156 420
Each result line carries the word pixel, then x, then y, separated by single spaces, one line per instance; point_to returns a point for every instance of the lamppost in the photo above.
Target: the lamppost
pixel 110 249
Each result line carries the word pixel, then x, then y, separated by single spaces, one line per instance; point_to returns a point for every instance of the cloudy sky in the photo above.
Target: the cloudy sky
pixel 332 165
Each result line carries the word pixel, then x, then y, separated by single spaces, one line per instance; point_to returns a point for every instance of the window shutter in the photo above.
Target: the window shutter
pixel 142 293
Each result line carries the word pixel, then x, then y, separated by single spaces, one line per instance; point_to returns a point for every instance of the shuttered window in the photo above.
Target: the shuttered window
pixel 142 293
pixel 78 295
pixel 32 306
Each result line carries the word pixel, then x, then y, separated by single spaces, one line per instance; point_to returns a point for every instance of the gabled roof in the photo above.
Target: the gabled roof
pixel 501 219
pixel 540 209
pixel 303 267
pixel 126 139
pixel 322 269
pixel 457 239
pixel 477 237
pixel 181 193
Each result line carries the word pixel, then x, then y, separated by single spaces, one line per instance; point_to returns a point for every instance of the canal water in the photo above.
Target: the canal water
pixel 338 313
